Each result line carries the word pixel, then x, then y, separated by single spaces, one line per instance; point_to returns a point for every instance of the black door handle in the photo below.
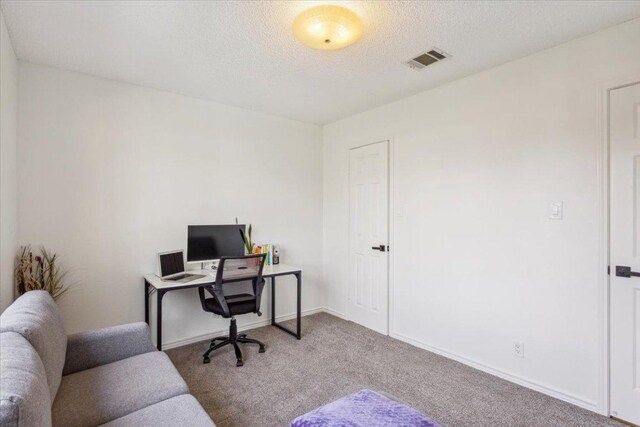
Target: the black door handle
pixel 381 248
pixel 624 271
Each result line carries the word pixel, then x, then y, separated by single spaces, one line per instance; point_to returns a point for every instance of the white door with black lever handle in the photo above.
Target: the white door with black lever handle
pixel 368 236
pixel 624 276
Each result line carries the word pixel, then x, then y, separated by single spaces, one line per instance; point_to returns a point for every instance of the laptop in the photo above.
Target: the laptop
pixel 172 267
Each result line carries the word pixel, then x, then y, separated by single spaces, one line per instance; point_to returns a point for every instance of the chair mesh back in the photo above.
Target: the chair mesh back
pixel 234 269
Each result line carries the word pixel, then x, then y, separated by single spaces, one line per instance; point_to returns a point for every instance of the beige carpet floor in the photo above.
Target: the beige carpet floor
pixel 335 358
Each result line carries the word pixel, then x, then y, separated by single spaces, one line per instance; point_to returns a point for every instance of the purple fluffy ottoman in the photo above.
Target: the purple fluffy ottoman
pixel 365 408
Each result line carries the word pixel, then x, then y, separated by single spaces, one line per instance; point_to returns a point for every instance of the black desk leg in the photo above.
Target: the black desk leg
pixel 299 307
pixel 146 302
pixel 273 300
pixel 298 333
pixel 159 321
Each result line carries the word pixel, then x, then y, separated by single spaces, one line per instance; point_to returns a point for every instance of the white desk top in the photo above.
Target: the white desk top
pixel 210 276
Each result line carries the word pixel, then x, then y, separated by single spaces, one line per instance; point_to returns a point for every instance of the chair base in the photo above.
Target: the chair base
pixel 233 339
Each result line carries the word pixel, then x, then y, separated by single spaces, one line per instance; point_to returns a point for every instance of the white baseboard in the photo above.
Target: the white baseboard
pixel 334 313
pixel 253 325
pixel 549 391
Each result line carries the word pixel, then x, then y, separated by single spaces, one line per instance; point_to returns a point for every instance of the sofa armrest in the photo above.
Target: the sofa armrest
pixel 87 350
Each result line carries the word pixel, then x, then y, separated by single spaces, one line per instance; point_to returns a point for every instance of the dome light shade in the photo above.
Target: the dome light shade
pixel 327 27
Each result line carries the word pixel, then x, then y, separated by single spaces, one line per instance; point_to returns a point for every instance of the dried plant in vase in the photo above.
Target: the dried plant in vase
pixel 39 272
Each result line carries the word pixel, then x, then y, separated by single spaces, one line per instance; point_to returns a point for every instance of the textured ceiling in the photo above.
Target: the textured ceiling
pixel 244 54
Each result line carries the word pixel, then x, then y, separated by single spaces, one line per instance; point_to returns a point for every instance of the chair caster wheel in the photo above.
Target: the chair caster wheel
pixel 239 363
pixel 262 350
pixel 206 360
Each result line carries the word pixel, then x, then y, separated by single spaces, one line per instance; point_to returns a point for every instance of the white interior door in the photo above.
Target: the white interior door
pixel 624 137
pixel 368 292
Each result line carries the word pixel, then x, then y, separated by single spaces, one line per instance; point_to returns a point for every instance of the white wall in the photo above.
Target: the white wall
pixel 112 173
pixel 8 138
pixel 476 262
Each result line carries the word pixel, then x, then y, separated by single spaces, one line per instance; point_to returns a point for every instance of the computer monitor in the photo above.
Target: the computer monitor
pixel 206 243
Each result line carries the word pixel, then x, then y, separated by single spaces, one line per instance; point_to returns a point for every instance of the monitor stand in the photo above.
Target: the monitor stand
pixel 203 266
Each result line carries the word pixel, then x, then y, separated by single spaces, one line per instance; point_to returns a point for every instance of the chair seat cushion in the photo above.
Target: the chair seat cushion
pixel 98 395
pixel 238 304
pixel 181 410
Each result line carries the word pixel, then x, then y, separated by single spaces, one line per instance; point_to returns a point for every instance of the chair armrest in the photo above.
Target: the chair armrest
pixel 87 350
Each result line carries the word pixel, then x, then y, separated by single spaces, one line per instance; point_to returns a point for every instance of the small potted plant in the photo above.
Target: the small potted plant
pixel 249 246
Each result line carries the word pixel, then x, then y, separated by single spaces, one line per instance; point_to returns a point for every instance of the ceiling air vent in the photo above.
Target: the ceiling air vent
pixel 424 60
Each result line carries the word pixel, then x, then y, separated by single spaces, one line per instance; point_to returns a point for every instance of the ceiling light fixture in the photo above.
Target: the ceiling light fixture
pixel 327 27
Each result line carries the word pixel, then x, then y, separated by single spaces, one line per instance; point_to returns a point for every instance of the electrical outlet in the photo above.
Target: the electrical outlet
pixel 555 210
pixel 518 349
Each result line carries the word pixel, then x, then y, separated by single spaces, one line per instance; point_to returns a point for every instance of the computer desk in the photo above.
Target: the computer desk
pixel 153 283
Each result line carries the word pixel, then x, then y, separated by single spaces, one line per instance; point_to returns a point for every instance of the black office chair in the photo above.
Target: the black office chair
pixel 233 270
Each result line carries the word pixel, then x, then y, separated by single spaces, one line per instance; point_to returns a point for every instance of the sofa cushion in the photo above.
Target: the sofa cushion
pixel 98 395
pixel 86 350
pixel 36 317
pixel 178 411
pixel 24 392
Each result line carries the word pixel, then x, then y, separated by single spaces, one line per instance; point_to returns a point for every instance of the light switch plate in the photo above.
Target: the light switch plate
pixel 555 210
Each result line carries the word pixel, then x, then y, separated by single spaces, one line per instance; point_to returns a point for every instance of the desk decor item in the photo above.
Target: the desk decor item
pixel 249 246
pixel 39 272
pixel 272 251
pixel 248 243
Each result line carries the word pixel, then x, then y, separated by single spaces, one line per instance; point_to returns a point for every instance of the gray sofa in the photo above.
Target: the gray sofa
pixel 112 377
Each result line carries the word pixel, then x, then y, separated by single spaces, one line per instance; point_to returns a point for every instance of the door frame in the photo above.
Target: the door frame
pixel 604 383
pixel 390 228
